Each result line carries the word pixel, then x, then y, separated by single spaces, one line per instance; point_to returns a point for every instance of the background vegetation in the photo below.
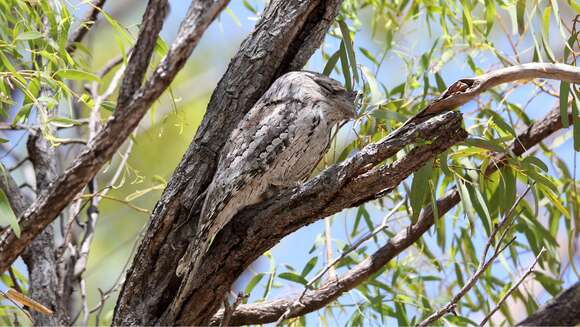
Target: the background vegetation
pixel 400 54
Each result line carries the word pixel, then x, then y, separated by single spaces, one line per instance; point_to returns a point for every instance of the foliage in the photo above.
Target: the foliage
pixel 400 54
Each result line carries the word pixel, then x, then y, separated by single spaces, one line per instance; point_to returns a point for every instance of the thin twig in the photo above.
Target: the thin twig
pixel 85 25
pixel 18 164
pixel 298 303
pixel 14 280
pixel 483 265
pixel 514 287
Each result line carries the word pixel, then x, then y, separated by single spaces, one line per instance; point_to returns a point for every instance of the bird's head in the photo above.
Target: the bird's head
pixel 336 96
pixel 317 88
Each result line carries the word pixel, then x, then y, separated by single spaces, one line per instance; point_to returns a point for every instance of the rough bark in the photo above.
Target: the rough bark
pixel 563 310
pixel 283 40
pixel 40 254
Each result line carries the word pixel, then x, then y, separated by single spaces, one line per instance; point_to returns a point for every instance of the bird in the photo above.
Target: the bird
pixel 276 145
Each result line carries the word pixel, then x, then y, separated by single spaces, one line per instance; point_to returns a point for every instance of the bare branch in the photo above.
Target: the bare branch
pixel 529 271
pixel 464 90
pixel 452 305
pixel 504 226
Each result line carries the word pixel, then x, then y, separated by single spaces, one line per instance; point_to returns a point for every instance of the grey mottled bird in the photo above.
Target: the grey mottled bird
pixel 277 144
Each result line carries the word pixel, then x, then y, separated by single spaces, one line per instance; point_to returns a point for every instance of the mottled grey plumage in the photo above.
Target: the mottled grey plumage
pixel 277 144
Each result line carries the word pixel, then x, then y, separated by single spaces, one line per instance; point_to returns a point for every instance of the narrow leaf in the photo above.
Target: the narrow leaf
pixel 7 216
pixel 564 91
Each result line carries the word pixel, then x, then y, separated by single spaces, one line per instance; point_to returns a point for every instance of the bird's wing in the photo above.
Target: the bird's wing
pixel 249 152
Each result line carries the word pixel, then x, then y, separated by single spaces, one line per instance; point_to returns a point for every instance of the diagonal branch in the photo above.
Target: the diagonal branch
pixel 517 284
pixel 505 224
pixel 85 25
pixel 124 120
pixel 314 300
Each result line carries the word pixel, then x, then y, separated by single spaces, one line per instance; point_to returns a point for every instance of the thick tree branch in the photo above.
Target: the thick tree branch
pixel 124 120
pixel 39 256
pixel 283 40
pixel 563 310
pixel 314 300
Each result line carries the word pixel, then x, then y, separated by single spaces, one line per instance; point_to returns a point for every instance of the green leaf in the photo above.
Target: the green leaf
pixel 520 12
pixel 7 216
pixel 491 145
pixel 349 48
pixel 344 65
pixel 3 140
pixel 480 205
pixel 546 21
pixel 27 36
pixel 309 266
pixel 253 282
pixel 576 122
pixel 544 180
pixel 490 15
pixel 570 44
pixel 376 95
pixel 331 63
pixel 443 163
pixel 550 284
pixel 564 91
pixel 369 55
pixel 248 6
pixel 441 87
pixel 77 75
pixel 419 188
pixel 293 277
pixel 465 199
pixel 501 123
pixel 64 122
pixel 536 162
pixel 272 274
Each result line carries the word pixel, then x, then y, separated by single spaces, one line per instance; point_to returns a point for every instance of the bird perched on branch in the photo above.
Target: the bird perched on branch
pixel 277 144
